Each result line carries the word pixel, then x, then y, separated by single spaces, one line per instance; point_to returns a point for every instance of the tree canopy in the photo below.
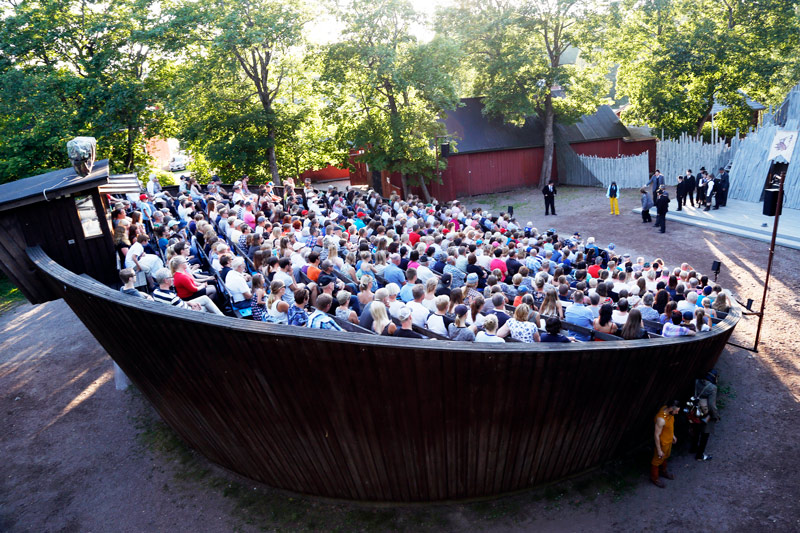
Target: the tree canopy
pixel 250 88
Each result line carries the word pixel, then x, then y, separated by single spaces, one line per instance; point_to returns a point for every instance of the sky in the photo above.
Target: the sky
pixel 325 28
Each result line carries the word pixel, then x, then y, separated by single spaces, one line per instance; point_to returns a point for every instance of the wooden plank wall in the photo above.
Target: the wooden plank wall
pixel 52 225
pixel 750 165
pixel 675 156
pixel 592 171
pixel 365 418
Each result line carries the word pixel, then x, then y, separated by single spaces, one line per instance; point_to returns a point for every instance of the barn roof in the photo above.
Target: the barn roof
pixel 50 185
pixel 475 132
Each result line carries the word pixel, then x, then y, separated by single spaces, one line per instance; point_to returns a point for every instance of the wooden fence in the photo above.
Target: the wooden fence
pixel 593 171
pixel 675 156
pixel 365 417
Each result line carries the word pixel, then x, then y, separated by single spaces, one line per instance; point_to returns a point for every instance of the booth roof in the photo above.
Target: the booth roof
pixel 45 187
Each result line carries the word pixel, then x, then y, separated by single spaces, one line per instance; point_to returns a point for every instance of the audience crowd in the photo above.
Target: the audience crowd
pixel 351 260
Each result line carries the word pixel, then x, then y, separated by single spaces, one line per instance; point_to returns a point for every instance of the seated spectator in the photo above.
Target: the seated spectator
pixel 646 308
pixel 405 330
pixel 551 306
pixel 553 331
pixel 297 314
pixel 343 311
pixel 489 332
pixel 580 315
pixel 139 261
pixel 721 304
pixel 702 323
pixel 430 294
pixel 365 318
pixel 666 316
pixel 319 319
pixel 709 311
pixel 419 312
pixel 620 314
pixel 444 285
pixel 277 308
pixel 604 323
pixel 164 293
pixel 258 303
pixel 185 285
pixel 689 304
pixel 236 282
pixel 673 328
pixel 519 328
pixel 438 322
pixel 381 323
pixel 633 329
pixel 128 277
pixel 499 303
pixel 393 273
pixel 458 330
pixel 411 280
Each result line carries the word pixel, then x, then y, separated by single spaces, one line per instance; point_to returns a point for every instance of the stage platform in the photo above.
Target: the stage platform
pixel 739 218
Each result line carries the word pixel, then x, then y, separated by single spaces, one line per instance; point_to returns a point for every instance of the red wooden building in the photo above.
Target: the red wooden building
pixel 491 156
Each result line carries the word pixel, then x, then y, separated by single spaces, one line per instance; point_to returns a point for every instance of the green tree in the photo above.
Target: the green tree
pixel 677 56
pixel 517 52
pixel 388 90
pixel 70 68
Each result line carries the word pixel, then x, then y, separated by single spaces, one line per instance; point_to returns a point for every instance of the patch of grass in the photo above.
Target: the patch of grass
pixel 10 295
pixel 726 393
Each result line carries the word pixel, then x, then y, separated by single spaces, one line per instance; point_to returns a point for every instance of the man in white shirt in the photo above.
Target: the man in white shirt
pixel 236 282
pixel 689 304
pixel 147 263
pixel 423 272
pixel 419 313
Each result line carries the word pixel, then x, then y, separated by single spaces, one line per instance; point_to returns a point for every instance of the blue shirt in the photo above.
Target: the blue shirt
pixel 393 274
pixel 580 315
pixel 405 293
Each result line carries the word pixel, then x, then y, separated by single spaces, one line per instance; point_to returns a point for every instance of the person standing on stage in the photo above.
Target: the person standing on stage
pixel 691 184
pixel 664 439
pixel 549 192
pixel 724 184
pixel 657 181
pixel 613 197
pixel 702 187
pixel 662 207
pixel 647 203
pixel 711 190
pixel 680 192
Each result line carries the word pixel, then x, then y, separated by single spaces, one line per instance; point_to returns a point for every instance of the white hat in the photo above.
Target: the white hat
pixel 298 245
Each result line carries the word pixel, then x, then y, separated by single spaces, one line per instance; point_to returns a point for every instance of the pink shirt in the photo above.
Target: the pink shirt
pixel 250 219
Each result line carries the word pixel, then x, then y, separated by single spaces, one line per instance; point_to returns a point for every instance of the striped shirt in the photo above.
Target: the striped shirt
pixel 169 297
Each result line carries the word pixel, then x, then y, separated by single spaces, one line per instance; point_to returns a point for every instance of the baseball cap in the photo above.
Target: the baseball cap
pixel 461 310
pixel 298 245
pixel 472 277
pixel 522 289
pixel 172 222
pixel 688 315
pixel 404 313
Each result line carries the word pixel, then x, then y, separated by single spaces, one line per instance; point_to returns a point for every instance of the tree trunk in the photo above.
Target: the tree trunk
pixel 404 181
pixel 547 161
pixel 424 188
pixel 273 163
pixel 129 150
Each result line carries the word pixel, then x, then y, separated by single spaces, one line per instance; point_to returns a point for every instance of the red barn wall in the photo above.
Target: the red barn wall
pixel 489 172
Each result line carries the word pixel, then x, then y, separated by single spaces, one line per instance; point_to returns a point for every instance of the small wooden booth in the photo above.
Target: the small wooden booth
pixel 64 213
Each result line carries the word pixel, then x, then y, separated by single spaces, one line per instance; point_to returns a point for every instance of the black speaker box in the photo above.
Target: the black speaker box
pixel 771 207
pixel 445 149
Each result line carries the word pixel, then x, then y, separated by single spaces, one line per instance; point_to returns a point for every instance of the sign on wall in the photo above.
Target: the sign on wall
pixel 782 146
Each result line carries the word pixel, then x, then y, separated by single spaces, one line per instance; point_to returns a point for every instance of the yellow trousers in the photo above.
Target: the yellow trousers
pixel 614 205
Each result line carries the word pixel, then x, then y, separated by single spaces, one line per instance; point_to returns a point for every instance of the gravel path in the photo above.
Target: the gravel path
pixel 80 456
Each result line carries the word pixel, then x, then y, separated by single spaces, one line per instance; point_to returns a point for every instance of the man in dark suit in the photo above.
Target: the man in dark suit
pixel 691 184
pixel 680 192
pixel 662 207
pixel 549 192
pixel 722 188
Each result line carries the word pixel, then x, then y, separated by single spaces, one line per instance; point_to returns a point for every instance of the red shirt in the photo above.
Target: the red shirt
pixel 498 263
pixel 593 270
pixel 413 237
pixel 184 285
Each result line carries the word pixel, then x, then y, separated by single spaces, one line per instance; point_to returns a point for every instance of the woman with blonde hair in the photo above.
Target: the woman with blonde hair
pixel 365 294
pixel 518 326
pixel 277 309
pixel 348 265
pixel 551 306
pixel 380 320
pixel 430 294
pixel 721 304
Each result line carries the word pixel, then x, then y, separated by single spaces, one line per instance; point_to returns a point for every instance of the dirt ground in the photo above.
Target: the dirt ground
pixel 78 455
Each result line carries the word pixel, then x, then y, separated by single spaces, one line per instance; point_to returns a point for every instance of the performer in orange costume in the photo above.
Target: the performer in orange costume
pixel 665 438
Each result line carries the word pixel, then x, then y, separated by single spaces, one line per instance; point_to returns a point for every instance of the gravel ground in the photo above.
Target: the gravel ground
pixel 79 455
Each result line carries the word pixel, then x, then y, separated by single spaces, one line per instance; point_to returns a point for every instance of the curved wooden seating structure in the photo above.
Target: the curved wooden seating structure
pixel 369 418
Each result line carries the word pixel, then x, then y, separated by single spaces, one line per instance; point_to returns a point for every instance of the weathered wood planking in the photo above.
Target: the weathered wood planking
pixel 367 418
